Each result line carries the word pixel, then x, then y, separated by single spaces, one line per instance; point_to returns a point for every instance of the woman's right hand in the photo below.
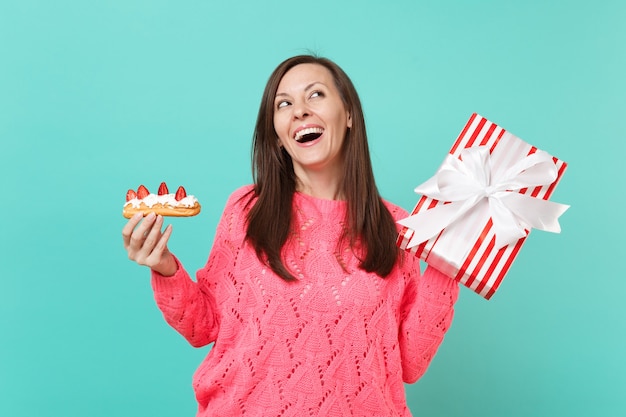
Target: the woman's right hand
pixel 147 245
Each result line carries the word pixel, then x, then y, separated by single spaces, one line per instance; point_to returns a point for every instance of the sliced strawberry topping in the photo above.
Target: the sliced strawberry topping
pixel 130 194
pixel 163 189
pixel 142 192
pixel 180 193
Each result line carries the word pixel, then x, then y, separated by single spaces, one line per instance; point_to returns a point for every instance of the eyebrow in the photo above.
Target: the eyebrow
pixel 307 88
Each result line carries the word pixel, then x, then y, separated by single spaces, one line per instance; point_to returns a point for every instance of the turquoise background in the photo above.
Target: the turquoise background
pixel 100 96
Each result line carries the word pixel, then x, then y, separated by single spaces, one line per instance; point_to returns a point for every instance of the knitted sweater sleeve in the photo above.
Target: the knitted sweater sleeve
pixel 427 311
pixel 189 306
pixel 186 307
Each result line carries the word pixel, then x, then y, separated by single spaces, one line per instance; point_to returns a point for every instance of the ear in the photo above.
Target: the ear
pixel 349 120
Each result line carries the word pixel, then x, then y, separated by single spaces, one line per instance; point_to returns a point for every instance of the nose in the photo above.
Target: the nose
pixel 300 110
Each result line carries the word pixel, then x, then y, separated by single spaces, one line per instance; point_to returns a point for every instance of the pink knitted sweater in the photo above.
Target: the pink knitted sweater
pixel 338 342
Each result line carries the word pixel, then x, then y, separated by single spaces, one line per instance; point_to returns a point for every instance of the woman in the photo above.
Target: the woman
pixel 312 308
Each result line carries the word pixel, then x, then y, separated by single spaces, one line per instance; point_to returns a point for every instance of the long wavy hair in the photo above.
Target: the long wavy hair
pixel 270 218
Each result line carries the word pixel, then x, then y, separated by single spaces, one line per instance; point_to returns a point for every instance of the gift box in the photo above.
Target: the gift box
pixel 475 214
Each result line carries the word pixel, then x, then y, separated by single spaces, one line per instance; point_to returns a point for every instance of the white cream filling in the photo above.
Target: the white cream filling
pixel 165 200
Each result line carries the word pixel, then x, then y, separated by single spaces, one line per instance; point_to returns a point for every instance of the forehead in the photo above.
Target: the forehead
pixel 302 76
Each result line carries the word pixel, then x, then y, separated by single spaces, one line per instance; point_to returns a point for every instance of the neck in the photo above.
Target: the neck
pixel 320 185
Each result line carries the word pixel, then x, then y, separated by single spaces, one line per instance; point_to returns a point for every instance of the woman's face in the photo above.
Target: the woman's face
pixel 311 120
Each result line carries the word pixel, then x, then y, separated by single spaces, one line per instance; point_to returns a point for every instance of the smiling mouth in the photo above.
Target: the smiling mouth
pixel 309 134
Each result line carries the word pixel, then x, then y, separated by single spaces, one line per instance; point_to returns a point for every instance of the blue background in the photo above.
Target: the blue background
pixel 97 97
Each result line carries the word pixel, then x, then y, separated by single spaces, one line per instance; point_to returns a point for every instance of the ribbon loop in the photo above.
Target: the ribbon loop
pixel 469 181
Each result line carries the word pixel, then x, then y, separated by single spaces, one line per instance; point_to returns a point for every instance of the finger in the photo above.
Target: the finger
pixel 158 259
pixel 152 236
pixel 140 233
pixel 161 246
pixel 137 250
pixel 127 231
pixel 146 241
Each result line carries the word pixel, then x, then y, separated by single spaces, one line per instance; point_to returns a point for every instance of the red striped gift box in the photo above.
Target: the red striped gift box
pixel 466 249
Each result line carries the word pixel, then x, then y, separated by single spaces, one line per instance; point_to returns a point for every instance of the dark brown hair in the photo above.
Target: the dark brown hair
pixel 269 220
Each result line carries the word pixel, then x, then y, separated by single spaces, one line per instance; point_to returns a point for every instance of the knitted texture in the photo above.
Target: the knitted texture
pixel 337 342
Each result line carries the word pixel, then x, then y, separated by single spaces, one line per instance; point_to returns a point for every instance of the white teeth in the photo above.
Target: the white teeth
pixel 308 131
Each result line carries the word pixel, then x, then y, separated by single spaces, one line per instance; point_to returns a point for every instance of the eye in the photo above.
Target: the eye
pixel 316 94
pixel 282 103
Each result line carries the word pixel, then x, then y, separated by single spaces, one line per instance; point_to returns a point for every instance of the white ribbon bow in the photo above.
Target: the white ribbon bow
pixel 468 182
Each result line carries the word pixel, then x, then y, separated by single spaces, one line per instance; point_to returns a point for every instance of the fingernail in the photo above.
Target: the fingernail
pixel 151 215
pixel 137 216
